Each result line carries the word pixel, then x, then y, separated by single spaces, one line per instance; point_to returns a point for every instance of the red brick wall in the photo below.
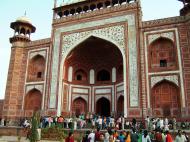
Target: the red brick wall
pixel 1 107
pixel 15 82
pixel 184 39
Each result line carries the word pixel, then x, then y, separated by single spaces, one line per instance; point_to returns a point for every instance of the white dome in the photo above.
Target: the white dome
pixel 24 19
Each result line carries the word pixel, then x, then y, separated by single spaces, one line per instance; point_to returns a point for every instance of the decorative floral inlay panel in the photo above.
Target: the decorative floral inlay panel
pixel 76 96
pixel 42 53
pixel 171 78
pixel 31 87
pixel 153 37
pixel 115 33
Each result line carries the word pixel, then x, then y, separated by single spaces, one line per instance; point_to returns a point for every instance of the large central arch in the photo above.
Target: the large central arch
pixel 104 50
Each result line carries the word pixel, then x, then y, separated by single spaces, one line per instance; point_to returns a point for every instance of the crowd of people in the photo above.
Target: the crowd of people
pixel 116 129
pixel 111 135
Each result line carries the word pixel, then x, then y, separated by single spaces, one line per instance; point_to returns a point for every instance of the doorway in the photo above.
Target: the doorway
pixel 103 107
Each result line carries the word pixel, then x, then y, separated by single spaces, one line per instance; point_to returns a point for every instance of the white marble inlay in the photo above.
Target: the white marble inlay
pixel 130 35
pixel 70 74
pixel 80 90
pixel 92 81
pixel 153 37
pixel 76 96
pixel 102 91
pixel 31 87
pixel 120 88
pixel 114 74
pixel 171 78
pixel 41 53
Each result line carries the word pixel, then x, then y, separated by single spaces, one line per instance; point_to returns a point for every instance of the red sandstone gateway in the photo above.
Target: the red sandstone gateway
pixel 101 58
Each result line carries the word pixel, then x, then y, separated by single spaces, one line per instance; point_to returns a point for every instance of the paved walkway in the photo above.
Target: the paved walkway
pixel 15 139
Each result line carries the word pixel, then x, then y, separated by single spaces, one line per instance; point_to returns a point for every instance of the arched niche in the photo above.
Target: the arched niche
pixel 103 107
pixel 165 98
pixel 79 106
pixel 162 55
pixel 33 100
pixel 103 75
pixel 36 69
pixel 80 75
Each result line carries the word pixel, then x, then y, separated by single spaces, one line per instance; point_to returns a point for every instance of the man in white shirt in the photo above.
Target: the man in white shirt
pixel 91 137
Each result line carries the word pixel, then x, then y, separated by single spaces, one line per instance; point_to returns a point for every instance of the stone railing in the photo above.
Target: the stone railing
pixel 86 7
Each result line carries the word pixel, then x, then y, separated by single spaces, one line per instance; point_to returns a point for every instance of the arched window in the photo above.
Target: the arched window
pixel 36 68
pixel 162 54
pixel 80 75
pixel 103 75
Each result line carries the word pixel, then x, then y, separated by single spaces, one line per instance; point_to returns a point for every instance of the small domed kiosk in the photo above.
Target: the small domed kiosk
pixel 22 29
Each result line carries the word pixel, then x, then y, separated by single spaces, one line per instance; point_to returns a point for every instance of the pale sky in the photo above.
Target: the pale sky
pixel 40 13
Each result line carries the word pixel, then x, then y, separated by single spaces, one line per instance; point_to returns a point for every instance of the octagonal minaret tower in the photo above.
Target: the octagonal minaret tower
pixel 23 28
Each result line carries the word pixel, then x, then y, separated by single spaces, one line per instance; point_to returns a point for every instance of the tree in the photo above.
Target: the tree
pixel 33 137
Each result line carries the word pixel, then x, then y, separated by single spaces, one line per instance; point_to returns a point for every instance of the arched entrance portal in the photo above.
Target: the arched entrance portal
pixel 33 100
pixel 103 107
pixel 79 106
pixel 166 100
pixel 94 62
pixel 120 106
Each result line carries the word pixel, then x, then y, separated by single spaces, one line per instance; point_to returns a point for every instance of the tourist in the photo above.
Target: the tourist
pixel 168 137
pixel 180 137
pixel 174 124
pixel 99 121
pixel 186 136
pixel 121 137
pixel 91 137
pixel 85 138
pixel 70 138
pixel 134 136
pixel 97 134
pixel 107 135
pixel 128 137
pixel 158 136
pixel 111 138
pixel 146 137
pixel 147 122
pixel 140 135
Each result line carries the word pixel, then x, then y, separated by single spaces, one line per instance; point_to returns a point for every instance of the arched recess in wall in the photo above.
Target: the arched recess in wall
pixel 162 55
pixel 103 107
pixel 80 75
pixel 103 75
pixel 36 69
pixel 165 98
pixel 120 72
pixel 79 106
pixel 33 100
pixel 89 55
pixel 120 106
